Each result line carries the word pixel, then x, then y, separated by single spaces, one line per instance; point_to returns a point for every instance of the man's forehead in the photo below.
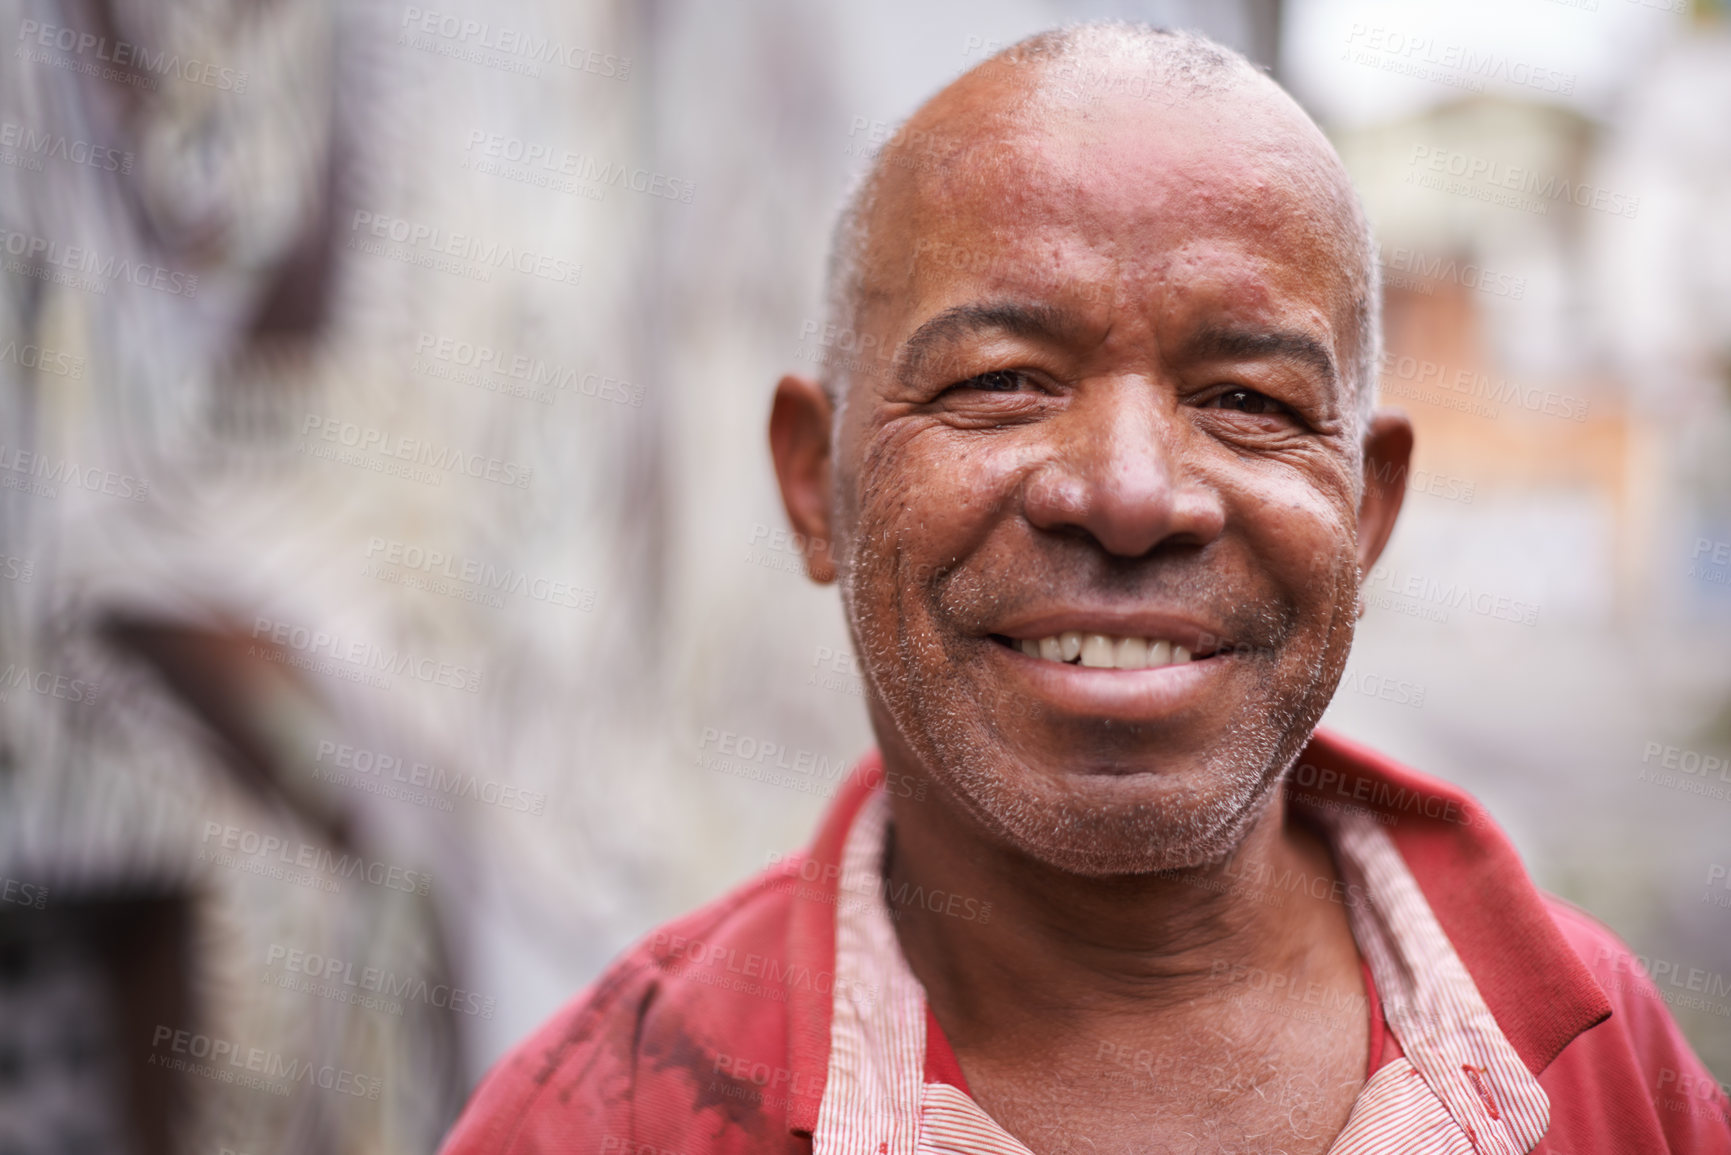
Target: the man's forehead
pixel 1121 246
pixel 1019 183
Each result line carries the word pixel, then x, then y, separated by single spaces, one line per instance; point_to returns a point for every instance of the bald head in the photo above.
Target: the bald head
pixel 1047 119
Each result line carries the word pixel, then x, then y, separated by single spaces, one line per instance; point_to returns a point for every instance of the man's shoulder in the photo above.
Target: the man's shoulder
pixel 1577 1004
pixel 677 1027
pixel 1632 1082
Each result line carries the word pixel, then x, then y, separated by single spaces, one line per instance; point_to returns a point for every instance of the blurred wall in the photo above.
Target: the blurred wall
pixel 392 569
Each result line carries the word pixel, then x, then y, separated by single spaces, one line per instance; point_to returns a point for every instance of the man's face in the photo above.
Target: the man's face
pixel 1116 408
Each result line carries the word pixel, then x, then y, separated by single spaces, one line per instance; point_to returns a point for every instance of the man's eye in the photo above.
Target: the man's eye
pixel 1249 401
pixel 997 381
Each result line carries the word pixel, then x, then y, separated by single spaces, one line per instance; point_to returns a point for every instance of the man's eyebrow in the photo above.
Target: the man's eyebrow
pixel 1279 344
pixel 1015 318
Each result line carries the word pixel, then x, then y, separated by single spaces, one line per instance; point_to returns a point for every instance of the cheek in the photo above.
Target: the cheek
pixel 932 495
pixel 1310 546
pixel 1304 538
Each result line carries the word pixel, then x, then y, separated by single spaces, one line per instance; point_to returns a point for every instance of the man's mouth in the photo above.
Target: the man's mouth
pixel 1103 651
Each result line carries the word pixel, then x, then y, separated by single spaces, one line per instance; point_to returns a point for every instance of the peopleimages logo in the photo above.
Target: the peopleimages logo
pixel 434 460
pixel 1495 174
pixel 465 38
pixel 23 893
pixel 25 147
pixel 538 378
pixel 1676 983
pixel 1431 598
pixel 897 899
pixel 1458 65
pixel 230 1062
pixel 1718 873
pixel 748 972
pixel 47 683
pixel 1382 796
pixel 377 980
pixel 1468 390
pixel 1686 760
pixel 434 247
pixel 362 656
pixel 762 760
pixel 1716 553
pixel 473 573
pixel 42 475
pixel 305 855
pixel 530 162
pixel 1429 268
pixel 425 776
pixel 34 35
pixel 76 262
pixel 55 362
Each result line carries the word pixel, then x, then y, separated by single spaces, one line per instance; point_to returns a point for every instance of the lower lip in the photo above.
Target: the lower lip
pixel 1146 695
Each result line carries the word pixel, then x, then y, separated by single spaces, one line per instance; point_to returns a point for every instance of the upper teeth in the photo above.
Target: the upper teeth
pixel 1103 651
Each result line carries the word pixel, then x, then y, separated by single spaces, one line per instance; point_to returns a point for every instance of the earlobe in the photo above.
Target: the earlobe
pixel 1387 457
pixel 799 445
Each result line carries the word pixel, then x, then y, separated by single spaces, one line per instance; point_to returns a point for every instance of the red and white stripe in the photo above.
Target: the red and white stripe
pixel 1460 1090
pixel 877 1047
pixel 1432 1004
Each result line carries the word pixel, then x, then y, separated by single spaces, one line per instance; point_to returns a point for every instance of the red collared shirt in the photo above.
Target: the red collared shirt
pixel 783 1017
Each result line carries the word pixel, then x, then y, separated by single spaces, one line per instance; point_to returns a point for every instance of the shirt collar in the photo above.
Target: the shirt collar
pixel 1538 994
pixel 1534 983
pixel 811 943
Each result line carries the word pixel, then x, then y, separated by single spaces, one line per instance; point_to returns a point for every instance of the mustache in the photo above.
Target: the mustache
pixel 975 595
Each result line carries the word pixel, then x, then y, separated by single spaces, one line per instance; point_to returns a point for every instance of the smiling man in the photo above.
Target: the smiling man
pixel 1099 501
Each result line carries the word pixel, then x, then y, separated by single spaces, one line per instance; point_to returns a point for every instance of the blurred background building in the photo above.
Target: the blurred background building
pixel 396 613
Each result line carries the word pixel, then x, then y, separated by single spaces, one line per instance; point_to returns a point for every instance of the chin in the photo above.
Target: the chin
pixel 1100 823
pixel 1097 841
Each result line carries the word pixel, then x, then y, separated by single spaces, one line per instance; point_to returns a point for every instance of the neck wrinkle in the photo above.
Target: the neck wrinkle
pixel 1056 942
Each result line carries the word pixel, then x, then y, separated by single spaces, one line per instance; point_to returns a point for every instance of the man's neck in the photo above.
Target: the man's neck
pixel 1194 972
pixel 1061 948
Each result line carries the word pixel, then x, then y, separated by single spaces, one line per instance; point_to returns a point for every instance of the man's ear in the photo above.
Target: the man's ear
pixel 1387 456
pixel 799 425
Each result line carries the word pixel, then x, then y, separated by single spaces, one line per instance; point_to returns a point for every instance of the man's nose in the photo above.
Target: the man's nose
pixel 1117 471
